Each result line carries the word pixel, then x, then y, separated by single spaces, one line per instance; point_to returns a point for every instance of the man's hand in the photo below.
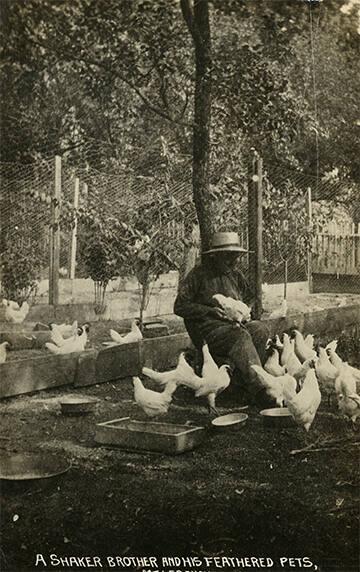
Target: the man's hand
pixel 218 313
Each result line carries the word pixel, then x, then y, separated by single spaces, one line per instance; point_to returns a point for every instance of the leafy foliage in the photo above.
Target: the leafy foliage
pixel 20 272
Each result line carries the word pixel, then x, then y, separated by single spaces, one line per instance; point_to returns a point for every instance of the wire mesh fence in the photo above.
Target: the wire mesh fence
pixel 310 225
pixel 25 202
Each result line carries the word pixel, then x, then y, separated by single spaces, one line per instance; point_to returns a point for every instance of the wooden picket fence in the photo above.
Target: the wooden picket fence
pixel 336 250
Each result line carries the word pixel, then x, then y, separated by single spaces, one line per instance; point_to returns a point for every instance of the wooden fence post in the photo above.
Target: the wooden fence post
pixel 74 232
pixel 309 254
pixel 55 237
pixel 255 231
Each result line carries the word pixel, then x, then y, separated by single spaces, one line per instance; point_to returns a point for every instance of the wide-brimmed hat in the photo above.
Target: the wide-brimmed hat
pixel 225 242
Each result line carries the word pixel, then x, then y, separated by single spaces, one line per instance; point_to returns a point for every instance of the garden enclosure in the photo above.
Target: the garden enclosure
pixel 61 220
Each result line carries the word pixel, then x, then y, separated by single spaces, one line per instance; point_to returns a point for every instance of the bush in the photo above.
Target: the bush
pixel 20 272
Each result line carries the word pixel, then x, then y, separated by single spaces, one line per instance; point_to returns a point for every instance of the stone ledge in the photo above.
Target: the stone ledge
pixel 92 366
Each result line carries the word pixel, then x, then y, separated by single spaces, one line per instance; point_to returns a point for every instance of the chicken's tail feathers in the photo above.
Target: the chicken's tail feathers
pixel 154 375
pixel 332 346
pixel 115 336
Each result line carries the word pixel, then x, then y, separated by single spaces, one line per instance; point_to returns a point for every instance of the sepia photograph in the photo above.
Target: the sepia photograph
pixel 179 285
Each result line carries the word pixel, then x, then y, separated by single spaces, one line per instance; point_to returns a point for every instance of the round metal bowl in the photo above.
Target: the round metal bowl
pixel 277 417
pixel 78 405
pixel 231 421
pixel 22 469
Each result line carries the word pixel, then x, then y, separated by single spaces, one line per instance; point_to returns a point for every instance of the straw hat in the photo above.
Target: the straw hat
pixel 225 242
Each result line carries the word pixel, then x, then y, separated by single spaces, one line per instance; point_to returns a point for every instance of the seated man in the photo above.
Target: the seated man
pixel 243 344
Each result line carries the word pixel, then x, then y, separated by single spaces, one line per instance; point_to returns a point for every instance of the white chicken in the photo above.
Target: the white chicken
pixel 272 364
pixel 278 344
pixel 345 382
pixel 151 402
pixel 280 312
pixel 214 379
pixel 345 388
pixel 13 313
pixel 66 330
pixel 235 309
pixel 274 386
pixel 76 343
pixel 300 374
pixel 304 405
pixel 349 405
pixel 134 335
pixel 309 341
pixel 183 374
pixel 326 371
pixel 302 350
pixel 59 331
pixel 288 357
pixel 335 359
pixel 3 348
pixel 338 362
pixel 332 346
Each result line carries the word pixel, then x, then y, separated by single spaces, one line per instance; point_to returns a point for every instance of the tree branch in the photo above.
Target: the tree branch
pixel 188 16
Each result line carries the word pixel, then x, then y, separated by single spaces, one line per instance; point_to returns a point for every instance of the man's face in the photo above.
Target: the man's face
pixel 226 260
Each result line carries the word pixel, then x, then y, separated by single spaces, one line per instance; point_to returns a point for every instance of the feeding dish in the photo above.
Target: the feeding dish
pixel 149 435
pixel 230 421
pixel 25 468
pixel 277 417
pixel 78 405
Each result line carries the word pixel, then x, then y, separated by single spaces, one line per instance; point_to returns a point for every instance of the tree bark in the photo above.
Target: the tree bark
pixel 197 20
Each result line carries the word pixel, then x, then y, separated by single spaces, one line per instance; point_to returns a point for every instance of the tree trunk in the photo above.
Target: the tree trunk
pixel 197 20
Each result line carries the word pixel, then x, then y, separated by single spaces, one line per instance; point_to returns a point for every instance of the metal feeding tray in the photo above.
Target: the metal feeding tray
pixel 78 405
pixel 277 417
pixel 149 436
pixel 27 468
pixel 231 421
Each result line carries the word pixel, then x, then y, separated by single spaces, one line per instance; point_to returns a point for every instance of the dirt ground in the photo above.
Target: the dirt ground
pixel 241 493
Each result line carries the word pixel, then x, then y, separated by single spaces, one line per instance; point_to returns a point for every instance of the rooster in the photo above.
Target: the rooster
pixel 13 313
pixel 304 405
pixel 151 402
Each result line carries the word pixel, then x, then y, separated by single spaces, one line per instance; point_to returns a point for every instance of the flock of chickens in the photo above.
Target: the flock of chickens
pixel 67 339
pixel 294 375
